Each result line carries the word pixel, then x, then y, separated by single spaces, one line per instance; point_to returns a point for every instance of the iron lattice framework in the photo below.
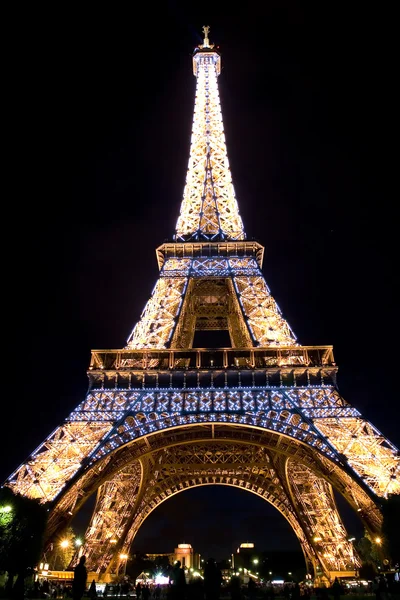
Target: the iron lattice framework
pixel 264 415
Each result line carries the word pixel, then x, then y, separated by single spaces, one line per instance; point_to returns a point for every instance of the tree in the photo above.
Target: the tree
pixel 161 564
pixel 364 548
pixel 22 525
pixel 367 570
pixel 61 552
pixel 139 563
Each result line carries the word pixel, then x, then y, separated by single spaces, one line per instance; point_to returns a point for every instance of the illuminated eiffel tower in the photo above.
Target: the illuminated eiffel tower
pixel 263 415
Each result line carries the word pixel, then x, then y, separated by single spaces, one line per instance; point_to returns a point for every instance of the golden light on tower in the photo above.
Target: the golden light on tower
pixel 162 416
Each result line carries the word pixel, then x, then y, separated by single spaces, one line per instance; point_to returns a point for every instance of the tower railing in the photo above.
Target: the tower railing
pixel 208 367
pixel 209 358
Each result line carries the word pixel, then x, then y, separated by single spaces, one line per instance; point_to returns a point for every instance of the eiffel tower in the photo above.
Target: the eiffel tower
pixel 264 415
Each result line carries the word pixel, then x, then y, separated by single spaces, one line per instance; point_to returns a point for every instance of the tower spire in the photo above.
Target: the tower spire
pixel 209 210
pixel 206 30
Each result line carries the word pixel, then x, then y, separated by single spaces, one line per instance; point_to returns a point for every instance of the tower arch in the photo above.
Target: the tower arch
pixel 136 478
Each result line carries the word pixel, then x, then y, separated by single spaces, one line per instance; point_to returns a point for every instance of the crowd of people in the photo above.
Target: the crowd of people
pixel 208 587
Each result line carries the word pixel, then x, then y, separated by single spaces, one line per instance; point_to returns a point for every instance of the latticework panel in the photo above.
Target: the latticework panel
pixel 114 505
pixel 109 419
pixel 55 461
pixel 214 266
pixel 264 318
pixel 238 329
pixel 157 321
pixel 320 516
pixel 356 496
pixel 74 497
pixel 253 316
pixel 209 208
pixel 368 452
pixel 186 324
pixel 155 410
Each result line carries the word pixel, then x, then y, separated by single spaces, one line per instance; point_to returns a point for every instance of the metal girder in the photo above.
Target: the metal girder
pixel 115 503
pixel 320 518
pixel 57 459
pixel 263 315
pixel 156 324
pixel 107 420
pixel 240 293
pixel 368 452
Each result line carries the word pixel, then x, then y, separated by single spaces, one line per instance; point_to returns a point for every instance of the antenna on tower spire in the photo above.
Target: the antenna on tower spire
pixel 206 30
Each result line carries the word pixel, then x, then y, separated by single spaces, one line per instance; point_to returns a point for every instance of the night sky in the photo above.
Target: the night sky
pixel 97 132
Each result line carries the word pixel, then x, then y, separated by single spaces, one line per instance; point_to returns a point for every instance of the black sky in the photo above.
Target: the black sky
pixel 97 130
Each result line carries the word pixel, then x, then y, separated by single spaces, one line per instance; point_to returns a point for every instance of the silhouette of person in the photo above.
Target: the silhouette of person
pixel 382 587
pixel 80 578
pixel 235 588
pixel 286 591
pixel 145 592
pixel 138 590
pixel 252 589
pixel 92 590
pixel 157 592
pixel 270 593
pixel 178 582
pixel 336 589
pixel 296 592
pixel 212 580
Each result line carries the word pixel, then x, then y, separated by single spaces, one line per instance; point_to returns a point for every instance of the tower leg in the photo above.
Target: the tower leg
pixel 316 507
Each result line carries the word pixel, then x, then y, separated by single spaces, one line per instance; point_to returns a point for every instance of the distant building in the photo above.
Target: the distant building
pixel 188 558
pixel 183 552
pixel 246 557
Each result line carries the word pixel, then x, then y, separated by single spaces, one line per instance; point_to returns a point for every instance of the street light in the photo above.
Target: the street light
pixel 6 509
pixel 78 542
pixel 64 543
pixel 124 558
pixel 255 561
